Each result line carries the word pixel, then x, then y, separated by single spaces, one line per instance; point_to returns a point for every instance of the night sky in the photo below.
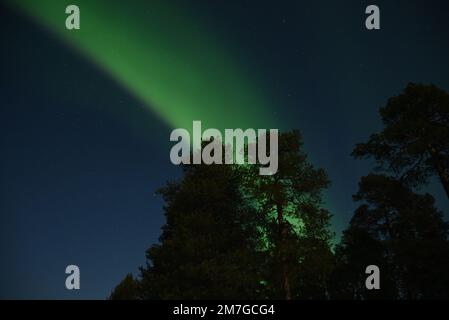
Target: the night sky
pixel 85 115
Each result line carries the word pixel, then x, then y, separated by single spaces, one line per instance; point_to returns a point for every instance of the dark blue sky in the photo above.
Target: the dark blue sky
pixel 78 175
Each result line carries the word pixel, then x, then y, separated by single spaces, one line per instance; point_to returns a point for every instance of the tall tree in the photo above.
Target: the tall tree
pixel 401 231
pixel 297 228
pixel 209 245
pixel 414 143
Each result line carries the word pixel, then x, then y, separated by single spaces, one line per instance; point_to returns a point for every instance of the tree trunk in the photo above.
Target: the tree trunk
pixel 442 171
pixel 282 233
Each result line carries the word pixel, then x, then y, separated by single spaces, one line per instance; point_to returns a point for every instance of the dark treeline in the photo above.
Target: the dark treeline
pixel 231 233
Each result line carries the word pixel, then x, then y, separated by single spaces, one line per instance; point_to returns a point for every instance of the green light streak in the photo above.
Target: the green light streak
pixel 163 57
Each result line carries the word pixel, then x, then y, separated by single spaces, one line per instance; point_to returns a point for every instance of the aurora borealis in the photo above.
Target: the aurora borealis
pixel 85 114
pixel 174 65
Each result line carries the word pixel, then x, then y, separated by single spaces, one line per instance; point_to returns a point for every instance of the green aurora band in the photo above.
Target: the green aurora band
pixel 163 57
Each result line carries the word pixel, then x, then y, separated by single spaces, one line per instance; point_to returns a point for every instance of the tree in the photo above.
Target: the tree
pixel 357 250
pixel 414 144
pixel 232 233
pixel 209 245
pixel 404 234
pixel 127 289
pixel 296 227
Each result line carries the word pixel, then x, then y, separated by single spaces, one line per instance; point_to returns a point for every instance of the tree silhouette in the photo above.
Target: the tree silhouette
pixel 297 228
pixel 357 250
pixel 404 234
pixel 414 143
pixel 208 247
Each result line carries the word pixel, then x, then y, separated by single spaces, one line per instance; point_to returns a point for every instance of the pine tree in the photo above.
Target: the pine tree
pixel 208 247
pixel 296 226
pixel 404 234
pixel 414 144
